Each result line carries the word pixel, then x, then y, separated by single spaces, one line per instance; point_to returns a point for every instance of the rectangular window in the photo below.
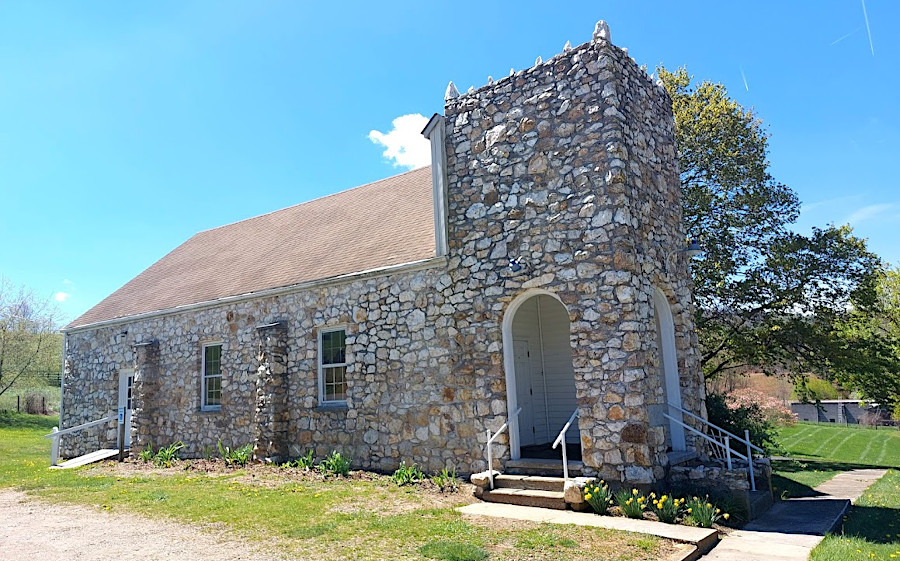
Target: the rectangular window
pixel 212 377
pixel 333 365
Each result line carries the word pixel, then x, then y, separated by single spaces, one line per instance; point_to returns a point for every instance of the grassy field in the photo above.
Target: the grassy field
pixel 364 517
pixel 872 527
pixel 837 443
pixel 16 397
pixel 822 451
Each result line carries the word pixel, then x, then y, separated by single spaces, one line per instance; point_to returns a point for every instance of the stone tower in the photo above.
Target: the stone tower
pixel 561 184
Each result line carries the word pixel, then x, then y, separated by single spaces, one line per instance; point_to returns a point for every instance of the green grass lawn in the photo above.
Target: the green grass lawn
pixel 838 443
pixel 822 451
pixel 872 527
pixel 364 517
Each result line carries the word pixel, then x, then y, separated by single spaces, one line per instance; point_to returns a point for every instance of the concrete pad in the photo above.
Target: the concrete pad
pixel 790 530
pixel 852 484
pixel 812 517
pixel 697 536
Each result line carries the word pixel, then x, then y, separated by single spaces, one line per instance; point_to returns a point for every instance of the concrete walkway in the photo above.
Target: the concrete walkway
pixel 791 529
pixel 701 537
pixel 787 532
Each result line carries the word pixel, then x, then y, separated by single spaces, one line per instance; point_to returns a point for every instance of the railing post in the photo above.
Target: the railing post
pixel 490 459
pixel 565 463
pixel 750 460
pixel 728 451
pixel 54 447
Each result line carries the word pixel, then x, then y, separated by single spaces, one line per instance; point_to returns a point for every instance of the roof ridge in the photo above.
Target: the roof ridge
pixel 329 195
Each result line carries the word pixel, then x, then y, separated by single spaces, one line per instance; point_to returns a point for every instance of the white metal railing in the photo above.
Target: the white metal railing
pixel 56 433
pixel 490 440
pixel 562 438
pixel 719 432
pixel 722 442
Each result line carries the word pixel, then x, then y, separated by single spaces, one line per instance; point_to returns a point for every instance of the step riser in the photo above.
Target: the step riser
pixel 542 472
pixel 547 468
pixel 529 482
pixel 525 500
pixel 529 486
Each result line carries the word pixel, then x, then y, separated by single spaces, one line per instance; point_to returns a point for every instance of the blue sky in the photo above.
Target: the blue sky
pixel 126 128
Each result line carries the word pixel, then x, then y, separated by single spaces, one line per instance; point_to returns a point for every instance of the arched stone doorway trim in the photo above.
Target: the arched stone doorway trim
pixel 509 363
pixel 669 357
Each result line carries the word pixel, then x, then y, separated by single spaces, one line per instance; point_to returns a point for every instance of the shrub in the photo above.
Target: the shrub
pixel 735 417
pixel 166 456
pixel 632 503
pixel 701 512
pixel 236 456
pixel 306 461
pixel 407 474
pixel 446 480
pixel 335 464
pixel 598 496
pixel 666 508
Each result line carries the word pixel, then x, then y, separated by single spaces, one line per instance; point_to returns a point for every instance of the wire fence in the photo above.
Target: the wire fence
pixel 38 400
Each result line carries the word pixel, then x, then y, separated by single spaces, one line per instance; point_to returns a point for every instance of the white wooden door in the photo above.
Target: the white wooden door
pixel 524 393
pixel 126 387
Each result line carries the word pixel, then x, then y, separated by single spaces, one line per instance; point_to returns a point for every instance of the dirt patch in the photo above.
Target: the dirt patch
pixel 33 530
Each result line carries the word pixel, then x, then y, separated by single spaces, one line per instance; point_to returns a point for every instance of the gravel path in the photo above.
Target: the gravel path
pixel 33 530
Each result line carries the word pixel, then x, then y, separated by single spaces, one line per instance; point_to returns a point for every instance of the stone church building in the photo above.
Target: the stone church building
pixel 537 266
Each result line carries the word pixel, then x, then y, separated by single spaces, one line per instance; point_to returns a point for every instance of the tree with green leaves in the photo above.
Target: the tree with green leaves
pixel 869 338
pixel 766 296
pixel 30 345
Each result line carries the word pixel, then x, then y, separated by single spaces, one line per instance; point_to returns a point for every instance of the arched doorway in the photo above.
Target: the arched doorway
pixel 540 377
pixel 665 341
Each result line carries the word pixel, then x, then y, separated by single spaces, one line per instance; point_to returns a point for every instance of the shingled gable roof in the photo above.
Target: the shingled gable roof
pixel 388 222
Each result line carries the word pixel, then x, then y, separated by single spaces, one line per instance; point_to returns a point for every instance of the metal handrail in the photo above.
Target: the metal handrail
pixel 726 447
pixel 56 433
pixel 562 438
pixel 721 431
pixel 490 440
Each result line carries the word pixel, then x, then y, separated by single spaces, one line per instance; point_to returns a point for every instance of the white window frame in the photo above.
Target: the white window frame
pixel 204 377
pixel 319 338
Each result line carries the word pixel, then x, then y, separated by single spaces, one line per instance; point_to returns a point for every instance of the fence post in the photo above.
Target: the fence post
pixel 18 404
pixel 121 442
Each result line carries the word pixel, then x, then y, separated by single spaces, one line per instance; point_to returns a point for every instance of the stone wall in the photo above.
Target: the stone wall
pixel 405 402
pixel 568 167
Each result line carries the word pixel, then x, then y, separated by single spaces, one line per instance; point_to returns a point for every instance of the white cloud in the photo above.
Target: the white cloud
pixel 404 144
pixel 867 212
pixel 62 296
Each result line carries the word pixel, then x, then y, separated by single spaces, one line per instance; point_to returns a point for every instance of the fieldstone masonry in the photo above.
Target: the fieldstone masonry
pixel 146 397
pixel 272 414
pixel 569 169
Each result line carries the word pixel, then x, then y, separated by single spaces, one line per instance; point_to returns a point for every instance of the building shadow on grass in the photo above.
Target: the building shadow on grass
pixel 874 524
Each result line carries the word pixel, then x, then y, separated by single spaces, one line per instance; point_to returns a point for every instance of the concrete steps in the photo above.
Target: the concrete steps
pixel 760 502
pixel 553 468
pixel 525 497
pixel 526 490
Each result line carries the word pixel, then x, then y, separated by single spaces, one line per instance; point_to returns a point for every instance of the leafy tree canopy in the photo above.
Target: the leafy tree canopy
pixel 868 339
pixel 30 347
pixel 765 294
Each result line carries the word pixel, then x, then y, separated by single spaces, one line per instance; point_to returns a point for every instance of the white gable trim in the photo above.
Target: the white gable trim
pixel 435 131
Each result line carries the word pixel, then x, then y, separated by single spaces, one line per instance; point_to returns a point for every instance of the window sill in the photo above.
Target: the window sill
pixel 333 406
pixel 213 409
